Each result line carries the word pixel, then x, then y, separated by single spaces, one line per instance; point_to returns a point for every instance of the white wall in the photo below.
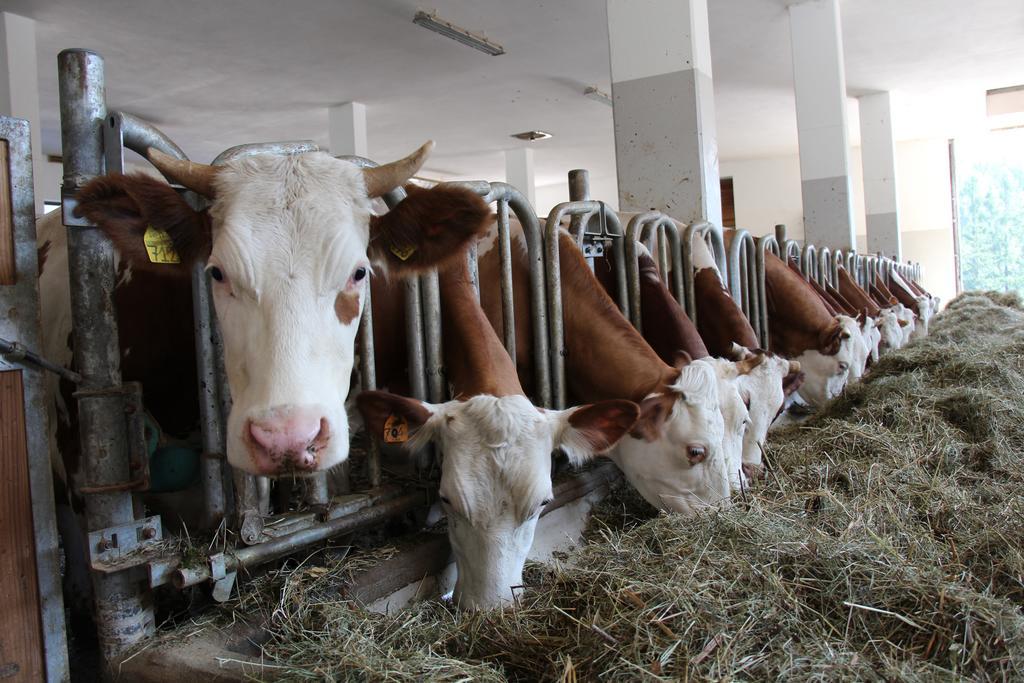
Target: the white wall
pixel 767 191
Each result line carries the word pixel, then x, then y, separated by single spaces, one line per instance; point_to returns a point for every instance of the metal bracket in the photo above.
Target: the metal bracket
pixel 593 248
pixel 138 460
pixel 223 580
pixel 118 548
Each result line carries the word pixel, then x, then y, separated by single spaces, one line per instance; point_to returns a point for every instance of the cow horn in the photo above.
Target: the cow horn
pixel 746 365
pixel 794 367
pixel 196 177
pixel 382 179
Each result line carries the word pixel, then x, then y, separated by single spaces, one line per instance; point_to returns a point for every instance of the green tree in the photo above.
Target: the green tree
pixel 991 209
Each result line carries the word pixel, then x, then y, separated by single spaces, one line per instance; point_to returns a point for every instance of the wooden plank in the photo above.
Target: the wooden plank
pixel 8 274
pixel 21 631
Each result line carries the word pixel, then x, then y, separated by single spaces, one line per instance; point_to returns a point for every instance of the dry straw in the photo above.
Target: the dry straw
pixel 886 543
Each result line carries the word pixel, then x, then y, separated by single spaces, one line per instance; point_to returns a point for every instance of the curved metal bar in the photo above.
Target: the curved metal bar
pixel 282 148
pixel 808 262
pixel 824 264
pixel 556 329
pixel 734 274
pixel 712 235
pixel 527 217
pixel 838 261
pixel 764 245
pixel 138 135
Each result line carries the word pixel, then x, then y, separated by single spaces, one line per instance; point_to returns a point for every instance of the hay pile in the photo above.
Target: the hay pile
pixel 887 542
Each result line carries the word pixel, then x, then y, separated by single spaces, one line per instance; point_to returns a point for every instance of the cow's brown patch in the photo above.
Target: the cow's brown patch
pixel 346 307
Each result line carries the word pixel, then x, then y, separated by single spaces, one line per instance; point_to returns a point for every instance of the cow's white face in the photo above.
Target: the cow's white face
pixel 891 337
pixel 681 468
pixel 824 376
pixel 924 304
pixel 290 269
pixel 763 391
pixel 869 330
pixel 496 475
pixel 735 418
pixel 908 323
pixel 858 347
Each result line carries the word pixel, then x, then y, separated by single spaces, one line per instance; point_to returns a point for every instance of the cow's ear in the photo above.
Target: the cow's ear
pixel 654 411
pixel 150 224
pixel 427 229
pixel 393 419
pixel 594 428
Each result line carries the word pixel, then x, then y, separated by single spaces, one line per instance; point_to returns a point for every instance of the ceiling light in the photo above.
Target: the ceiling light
pixel 597 95
pixel 449 30
pixel 531 135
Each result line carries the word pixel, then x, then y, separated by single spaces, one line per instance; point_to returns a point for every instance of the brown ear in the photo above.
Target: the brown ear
pixel 830 339
pixel 124 207
pixel 428 228
pixel 794 380
pixel 653 413
pixel 602 424
pixel 746 365
pixel 391 418
pixel 902 322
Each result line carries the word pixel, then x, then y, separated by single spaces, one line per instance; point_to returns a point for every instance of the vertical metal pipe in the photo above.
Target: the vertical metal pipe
pixel 124 612
pixel 414 329
pixel 209 399
pixel 430 293
pixel 579 191
pixel 368 376
pixel 508 314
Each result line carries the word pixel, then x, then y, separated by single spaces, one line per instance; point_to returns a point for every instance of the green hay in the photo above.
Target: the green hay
pixel 886 543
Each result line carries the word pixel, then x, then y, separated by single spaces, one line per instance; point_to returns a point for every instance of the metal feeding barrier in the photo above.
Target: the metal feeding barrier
pixel 123 548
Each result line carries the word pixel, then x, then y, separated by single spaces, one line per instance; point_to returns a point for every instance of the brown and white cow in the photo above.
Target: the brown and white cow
pixel 673 455
pixel 801 328
pixel 289 242
pixel 496 445
pixel 759 380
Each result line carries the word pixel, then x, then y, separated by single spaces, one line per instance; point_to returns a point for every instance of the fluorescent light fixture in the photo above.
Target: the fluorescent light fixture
pixel 597 95
pixel 449 30
pixel 531 135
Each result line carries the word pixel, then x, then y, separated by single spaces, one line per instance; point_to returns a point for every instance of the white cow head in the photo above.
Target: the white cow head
pixel 891 335
pixel 907 322
pixel 825 375
pixel 674 455
pixel 495 472
pixel 290 241
pixel 858 347
pixel 735 418
pixel 761 378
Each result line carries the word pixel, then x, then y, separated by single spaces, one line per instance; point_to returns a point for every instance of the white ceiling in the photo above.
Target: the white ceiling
pixel 213 74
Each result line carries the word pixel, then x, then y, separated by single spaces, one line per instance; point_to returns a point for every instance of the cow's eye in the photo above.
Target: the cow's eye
pixel 359 274
pixel 216 273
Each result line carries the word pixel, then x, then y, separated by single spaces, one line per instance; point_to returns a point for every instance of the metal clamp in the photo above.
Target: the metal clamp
pixel 117 548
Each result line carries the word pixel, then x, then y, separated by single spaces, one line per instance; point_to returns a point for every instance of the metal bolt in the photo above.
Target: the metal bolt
pixel 148 532
pixel 105 544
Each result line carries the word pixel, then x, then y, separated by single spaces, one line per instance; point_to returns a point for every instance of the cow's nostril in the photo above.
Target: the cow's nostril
pixel 287 441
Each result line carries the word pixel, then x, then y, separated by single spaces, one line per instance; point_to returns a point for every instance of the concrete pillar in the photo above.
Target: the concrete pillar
pixel 820 82
pixel 878 158
pixel 19 88
pixel 346 129
pixel 519 172
pixel 666 147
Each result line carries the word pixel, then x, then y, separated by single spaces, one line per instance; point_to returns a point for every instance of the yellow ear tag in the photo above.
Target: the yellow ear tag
pixel 403 252
pixel 159 246
pixel 396 429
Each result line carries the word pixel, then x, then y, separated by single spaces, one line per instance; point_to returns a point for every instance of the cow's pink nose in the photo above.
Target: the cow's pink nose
pixel 288 441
